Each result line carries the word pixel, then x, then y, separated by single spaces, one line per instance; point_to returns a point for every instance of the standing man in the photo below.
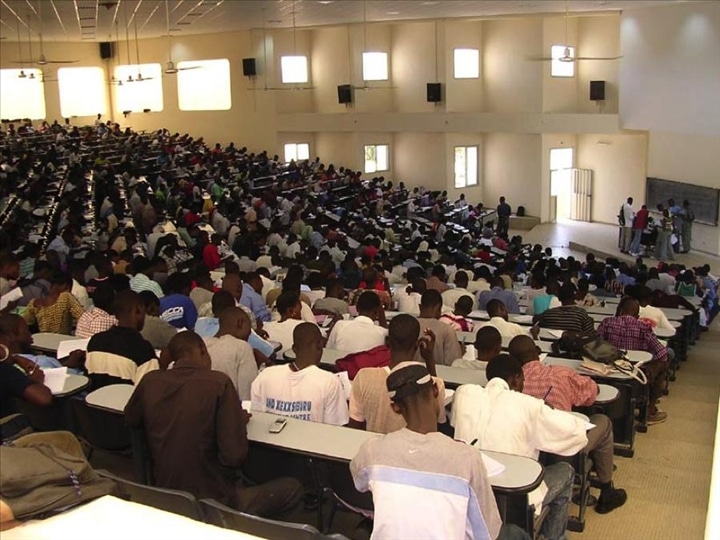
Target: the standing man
pixel 663 248
pixel 503 212
pixel 638 226
pixel 626 221
pixel 686 224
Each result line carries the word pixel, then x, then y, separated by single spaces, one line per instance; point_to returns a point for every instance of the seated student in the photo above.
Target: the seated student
pixel 209 326
pixel 537 288
pixel 503 419
pixel 202 294
pixel 563 388
pixel 195 428
pixel 417 491
pixel 498 291
pixel 301 389
pixel 361 333
pixel 251 298
pixel 334 300
pixel 24 383
pixel 447 346
pixel 230 352
pixel 100 317
pixel 288 305
pixel 451 296
pixel 652 315
pixel 458 320
pixel 369 402
pixel 123 340
pixel 543 302
pixel 176 308
pixel 155 330
pixel 499 319
pixel 58 311
pixel 568 316
pixel 488 344
pixel 142 280
pixel 627 332
pixel 583 297
pixel 408 299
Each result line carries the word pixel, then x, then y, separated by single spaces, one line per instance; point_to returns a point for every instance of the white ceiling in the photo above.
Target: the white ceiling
pixel 97 20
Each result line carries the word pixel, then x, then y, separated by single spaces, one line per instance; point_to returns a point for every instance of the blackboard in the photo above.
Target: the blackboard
pixel 703 200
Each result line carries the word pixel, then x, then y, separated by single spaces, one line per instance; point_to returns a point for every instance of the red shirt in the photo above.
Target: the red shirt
pixel 569 388
pixel 641 219
pixel 211 256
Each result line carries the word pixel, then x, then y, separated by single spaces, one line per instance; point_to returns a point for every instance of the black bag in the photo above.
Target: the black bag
pixel 621 216
pixel 600 350
pixel 572 344
pixel 520 211
pixel 39 480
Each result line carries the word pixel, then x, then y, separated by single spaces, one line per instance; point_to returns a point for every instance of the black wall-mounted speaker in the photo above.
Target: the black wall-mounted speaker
pixel 107 50
pixel 249 68
pixel 345 93
pixel 597 90
pixel 434 92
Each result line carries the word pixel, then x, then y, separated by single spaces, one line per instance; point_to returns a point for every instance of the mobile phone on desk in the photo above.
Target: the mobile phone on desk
pixel 278 425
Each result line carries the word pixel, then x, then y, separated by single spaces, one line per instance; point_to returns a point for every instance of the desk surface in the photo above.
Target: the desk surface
pixel 577 366
pixel 342 444
pixel 606 394
pixel 48 342
pixel 111 518
pixel 113 397
pixel 73 385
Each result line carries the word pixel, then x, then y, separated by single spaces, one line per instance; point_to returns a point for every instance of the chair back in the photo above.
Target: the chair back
pixel 100 428
pixel 222 516
pixel 170 500
pixel 343 489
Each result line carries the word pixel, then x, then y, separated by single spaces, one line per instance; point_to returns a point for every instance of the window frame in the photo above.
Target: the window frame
pixel 468 179
pixel 367 56
pixel 377 168
pixel 35 114
pixel 82 93
pixel 221 105
pixel 297 148
pixel 476 67
pixel 556 65
pixel 152 70
pixel 293 57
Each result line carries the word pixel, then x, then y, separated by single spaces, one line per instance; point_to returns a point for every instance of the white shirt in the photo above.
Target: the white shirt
pixel 359 334
pixel 80 292
pixel 478 286
pixel 506 329
pixel 628 214
pixel 657 316
pixel 408 302
pixel 503 420
pixel 451 296
pixel 235 358
pixel 309 394
pixel 282 332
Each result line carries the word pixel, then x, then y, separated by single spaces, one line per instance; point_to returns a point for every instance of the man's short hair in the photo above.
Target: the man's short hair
pixel 368 301
pixel 487 338
pixel 464 304
pixel 148 298
pixel 221 300
pixel 431 298
pixel 126 302
pixel 103 297
pixel 286 300
pixel 503 366
pixel 494 306
pixel 461 278
pixel 403 332
pixel 566 293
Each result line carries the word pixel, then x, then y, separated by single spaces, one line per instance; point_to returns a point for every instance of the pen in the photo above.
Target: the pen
pixel 473 442
pixel 547 393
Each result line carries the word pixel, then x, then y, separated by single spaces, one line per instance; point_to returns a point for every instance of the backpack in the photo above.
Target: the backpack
pixel 571 344
pixel 352 363
pixel 621 216
pixel 39 480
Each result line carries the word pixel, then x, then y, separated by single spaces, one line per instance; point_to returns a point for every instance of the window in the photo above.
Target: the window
pixel 376 158
pixel 561 161
pixel 82 91
pixel 466 166
pixel 559 67
pixel 22 97
pixel 296 152
pixel 375 66
pixel 467 63
pixel 138 94
pixel 294 69
pixel 206 87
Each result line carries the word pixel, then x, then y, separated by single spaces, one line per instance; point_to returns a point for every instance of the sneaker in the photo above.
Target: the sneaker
pixel 610 500
pixel 657 418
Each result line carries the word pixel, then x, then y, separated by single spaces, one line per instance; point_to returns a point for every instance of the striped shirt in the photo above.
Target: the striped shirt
pixel 93 322
pixel 140 282
pixel 568 318
pixel 567 388
pixel 629 333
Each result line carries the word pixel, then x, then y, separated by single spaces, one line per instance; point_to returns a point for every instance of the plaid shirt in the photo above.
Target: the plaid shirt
pixel 568 388
pixel 629 333
pixel 93 322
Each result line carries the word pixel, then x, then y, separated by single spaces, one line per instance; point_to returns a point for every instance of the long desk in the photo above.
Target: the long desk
pixel 48 342
pixel 111 518
pixel 337 443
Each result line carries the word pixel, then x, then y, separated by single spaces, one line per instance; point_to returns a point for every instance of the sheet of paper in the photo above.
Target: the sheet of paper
pixel 589 426
pixel 10 296
pixel 55 379
pixel 346 384
pixel 70 345
pixel 492 466
pixel 247 405
pixel 449 394
pixel 557 333
pixel 542 357
pixel 523 319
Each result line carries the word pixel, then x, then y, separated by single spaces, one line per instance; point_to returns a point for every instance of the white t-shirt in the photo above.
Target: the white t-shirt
pixel 451 296
pixel 408 302
pixel 657 316
pixel 282 332
pixel 309 394
pixel 506 328
pixel 360 334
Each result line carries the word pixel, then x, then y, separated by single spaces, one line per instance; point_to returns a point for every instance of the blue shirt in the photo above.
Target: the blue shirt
pixel 541 303
pixel 254 302
pixel 178 310
pixel 506 297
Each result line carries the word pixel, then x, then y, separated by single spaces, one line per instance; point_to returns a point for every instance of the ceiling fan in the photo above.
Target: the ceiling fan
pixel 568 51
pixel 170 68
pixel 41 60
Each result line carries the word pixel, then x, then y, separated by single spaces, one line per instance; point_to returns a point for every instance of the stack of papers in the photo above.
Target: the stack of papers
pixel 10 296
pixel 492 467
pixel 55 379
pixel 70 345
